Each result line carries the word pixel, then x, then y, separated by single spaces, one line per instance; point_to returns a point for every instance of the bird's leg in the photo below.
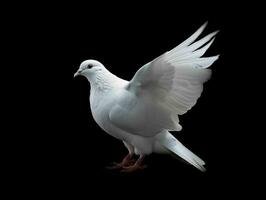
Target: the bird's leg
pixel 127 161
pixel 138 165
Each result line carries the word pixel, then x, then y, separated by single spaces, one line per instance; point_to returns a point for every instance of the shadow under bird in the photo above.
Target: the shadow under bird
pixel 141 112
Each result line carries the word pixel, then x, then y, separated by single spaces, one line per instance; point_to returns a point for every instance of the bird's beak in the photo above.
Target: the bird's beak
pixel 77 73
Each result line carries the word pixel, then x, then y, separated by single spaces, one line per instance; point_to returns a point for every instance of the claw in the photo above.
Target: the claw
pixel 127 161
pixel 137 166
pixel 133 168
pixel 115 165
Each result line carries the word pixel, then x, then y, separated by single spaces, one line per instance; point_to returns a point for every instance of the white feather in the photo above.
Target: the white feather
pixel 166 87
pixel 171 143
pixel 188 41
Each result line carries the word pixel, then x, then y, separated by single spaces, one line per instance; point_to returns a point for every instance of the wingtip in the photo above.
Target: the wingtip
pixel 213 34
pixel 216 32
pixel 203 26
pixel 212 40
pixel 215 58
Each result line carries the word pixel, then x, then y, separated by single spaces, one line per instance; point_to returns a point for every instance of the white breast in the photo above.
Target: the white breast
pixel 100 104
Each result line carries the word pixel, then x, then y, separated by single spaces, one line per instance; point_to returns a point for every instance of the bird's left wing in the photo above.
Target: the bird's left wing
pixel 166 87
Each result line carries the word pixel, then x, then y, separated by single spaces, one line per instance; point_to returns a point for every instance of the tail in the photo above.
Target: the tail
pixel 171 143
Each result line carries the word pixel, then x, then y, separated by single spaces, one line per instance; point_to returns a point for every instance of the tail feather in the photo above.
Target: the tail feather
pixel 172 144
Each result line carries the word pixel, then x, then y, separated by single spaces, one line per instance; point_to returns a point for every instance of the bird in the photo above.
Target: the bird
pixel 144 112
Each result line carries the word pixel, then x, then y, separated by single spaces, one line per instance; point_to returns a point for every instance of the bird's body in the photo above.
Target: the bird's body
pixel 104 99
pixel 141 112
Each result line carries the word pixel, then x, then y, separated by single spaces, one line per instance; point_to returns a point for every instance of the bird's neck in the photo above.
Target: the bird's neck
pixel 105 81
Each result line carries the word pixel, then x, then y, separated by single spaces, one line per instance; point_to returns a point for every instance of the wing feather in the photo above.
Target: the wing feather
pixel 166 87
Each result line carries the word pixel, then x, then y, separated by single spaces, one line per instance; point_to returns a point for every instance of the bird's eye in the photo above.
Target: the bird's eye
pixel 89 66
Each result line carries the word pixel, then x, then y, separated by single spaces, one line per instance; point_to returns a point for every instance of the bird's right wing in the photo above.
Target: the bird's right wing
pixel 176 78
pixel 173 82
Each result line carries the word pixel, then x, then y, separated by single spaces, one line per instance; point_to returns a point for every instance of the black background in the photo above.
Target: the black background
pixel 64 150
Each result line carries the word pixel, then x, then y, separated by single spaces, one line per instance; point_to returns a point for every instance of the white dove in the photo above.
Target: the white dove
pixel 141 112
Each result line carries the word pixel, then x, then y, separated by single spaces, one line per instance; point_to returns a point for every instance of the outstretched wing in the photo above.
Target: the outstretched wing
pixel 170 84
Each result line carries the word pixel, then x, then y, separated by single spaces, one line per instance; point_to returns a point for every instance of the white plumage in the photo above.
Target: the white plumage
pixel 142 111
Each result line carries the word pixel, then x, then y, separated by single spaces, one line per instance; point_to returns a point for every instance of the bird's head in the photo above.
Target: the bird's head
pixel 89 69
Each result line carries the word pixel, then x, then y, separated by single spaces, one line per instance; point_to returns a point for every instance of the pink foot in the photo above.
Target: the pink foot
pixel 133 168
pixel 127 161
pixel 137 166
pixel 116 165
